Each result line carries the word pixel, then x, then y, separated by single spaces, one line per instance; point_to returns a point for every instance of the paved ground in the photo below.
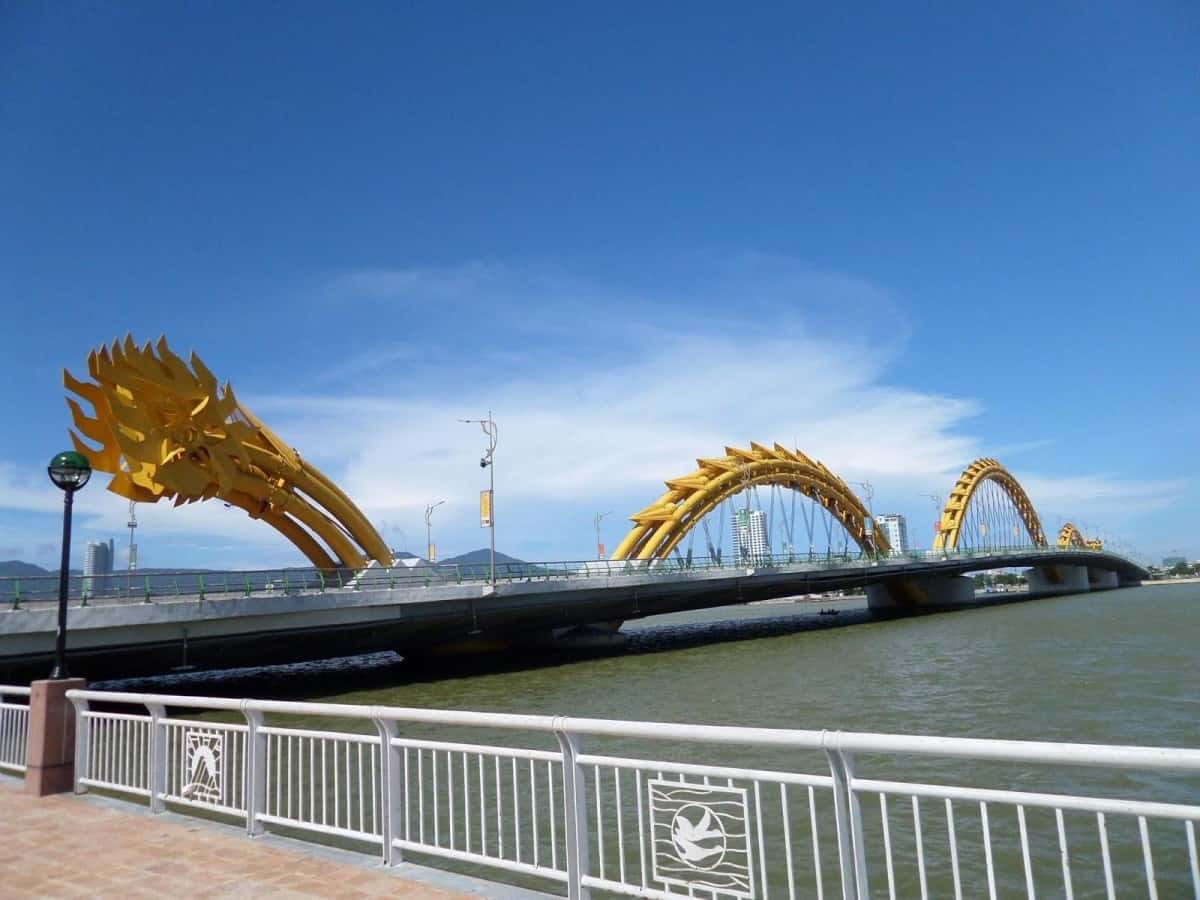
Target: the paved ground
pixel 67 846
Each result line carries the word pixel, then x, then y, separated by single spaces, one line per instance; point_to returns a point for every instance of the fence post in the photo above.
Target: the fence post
pixel 83 741
pixel 157 761
pixel 574 815
pixel 256 770
pixel 391 791
pixel 856 828
pixel 851 848
pixel 842 816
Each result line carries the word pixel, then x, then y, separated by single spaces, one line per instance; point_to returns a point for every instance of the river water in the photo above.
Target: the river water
pixel 1120 666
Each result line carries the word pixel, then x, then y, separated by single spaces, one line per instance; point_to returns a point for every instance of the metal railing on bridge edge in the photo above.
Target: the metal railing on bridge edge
pixel 21 591
pixel 730 811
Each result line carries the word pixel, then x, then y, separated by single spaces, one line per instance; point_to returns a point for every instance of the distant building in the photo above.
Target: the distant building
pixel 97 562
pixel 895 529
pixel 1169 562
pixel 750 536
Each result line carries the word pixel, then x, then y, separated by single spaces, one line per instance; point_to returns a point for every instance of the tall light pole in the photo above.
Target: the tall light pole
pixel 69 471
pixel 431 553
pixel 132 561
pixel 596 520
pixel 937 512
pixel 869 490
pixel 488 462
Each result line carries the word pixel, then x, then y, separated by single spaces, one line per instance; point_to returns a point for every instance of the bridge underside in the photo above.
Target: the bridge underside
pixel 130 639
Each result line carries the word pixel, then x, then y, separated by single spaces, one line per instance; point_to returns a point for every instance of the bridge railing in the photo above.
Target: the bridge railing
pixel 14 727
pixel 659 810
pixel 202 585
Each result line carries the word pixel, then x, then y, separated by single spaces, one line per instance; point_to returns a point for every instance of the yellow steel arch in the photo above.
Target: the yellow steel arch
pixel 167 432
pixel 1071 537
pixel 984 469
pixel 659 527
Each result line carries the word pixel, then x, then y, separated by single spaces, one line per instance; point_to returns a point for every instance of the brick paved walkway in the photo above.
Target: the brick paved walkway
pixel 65 846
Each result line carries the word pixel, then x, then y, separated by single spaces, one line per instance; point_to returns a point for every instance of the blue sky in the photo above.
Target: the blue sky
pixel 900 237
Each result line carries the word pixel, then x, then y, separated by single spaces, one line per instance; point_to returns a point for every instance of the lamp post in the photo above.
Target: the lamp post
pixel 429 528
pixel 869 490
pixel 596 521
pixel 487 462
pixel 69 471
pixel 937 511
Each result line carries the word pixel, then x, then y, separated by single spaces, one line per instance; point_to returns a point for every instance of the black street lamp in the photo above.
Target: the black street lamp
pixel 69 471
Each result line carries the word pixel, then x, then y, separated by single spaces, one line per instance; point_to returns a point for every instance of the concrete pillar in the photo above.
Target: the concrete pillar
pixel 1058 580
pixel 1102 579
pixel 925 592
pixel 50 747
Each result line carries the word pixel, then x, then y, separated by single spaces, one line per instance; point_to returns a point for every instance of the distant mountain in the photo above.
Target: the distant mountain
pixel 481 556
pixel 478 563
pixel 14 568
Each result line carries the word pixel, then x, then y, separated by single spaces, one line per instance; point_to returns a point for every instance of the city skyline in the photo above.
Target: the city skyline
pixel 636 242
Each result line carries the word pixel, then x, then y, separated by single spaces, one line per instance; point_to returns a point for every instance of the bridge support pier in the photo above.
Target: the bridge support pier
pixel 1058 580
pixel 926 592
pixel 1102 579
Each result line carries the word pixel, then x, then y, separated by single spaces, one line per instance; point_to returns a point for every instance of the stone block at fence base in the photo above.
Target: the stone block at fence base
pixel 50 747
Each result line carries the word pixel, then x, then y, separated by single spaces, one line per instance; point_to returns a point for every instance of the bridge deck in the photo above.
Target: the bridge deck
pixel 232 628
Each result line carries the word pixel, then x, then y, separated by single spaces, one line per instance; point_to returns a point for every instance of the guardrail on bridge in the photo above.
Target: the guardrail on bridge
pixel 655 810
pixel 124 587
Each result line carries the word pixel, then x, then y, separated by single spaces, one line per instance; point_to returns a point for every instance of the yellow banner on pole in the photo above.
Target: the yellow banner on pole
pixel 485 509
pixel 432 557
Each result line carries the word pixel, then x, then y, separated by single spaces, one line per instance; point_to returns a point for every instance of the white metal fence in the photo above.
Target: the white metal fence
pixel 661 810
pixel 14 727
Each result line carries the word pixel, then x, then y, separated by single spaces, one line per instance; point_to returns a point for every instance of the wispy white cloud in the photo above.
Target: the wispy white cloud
pixel 27 490
pixel 1097 495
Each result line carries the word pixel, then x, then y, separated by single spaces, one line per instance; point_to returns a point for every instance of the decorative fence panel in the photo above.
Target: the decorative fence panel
pixel 203 764
pixel 660 810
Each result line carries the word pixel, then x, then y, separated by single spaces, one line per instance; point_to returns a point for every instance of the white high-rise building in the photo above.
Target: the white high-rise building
pixel 895 529
pixel 750 536
pixel 97 561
